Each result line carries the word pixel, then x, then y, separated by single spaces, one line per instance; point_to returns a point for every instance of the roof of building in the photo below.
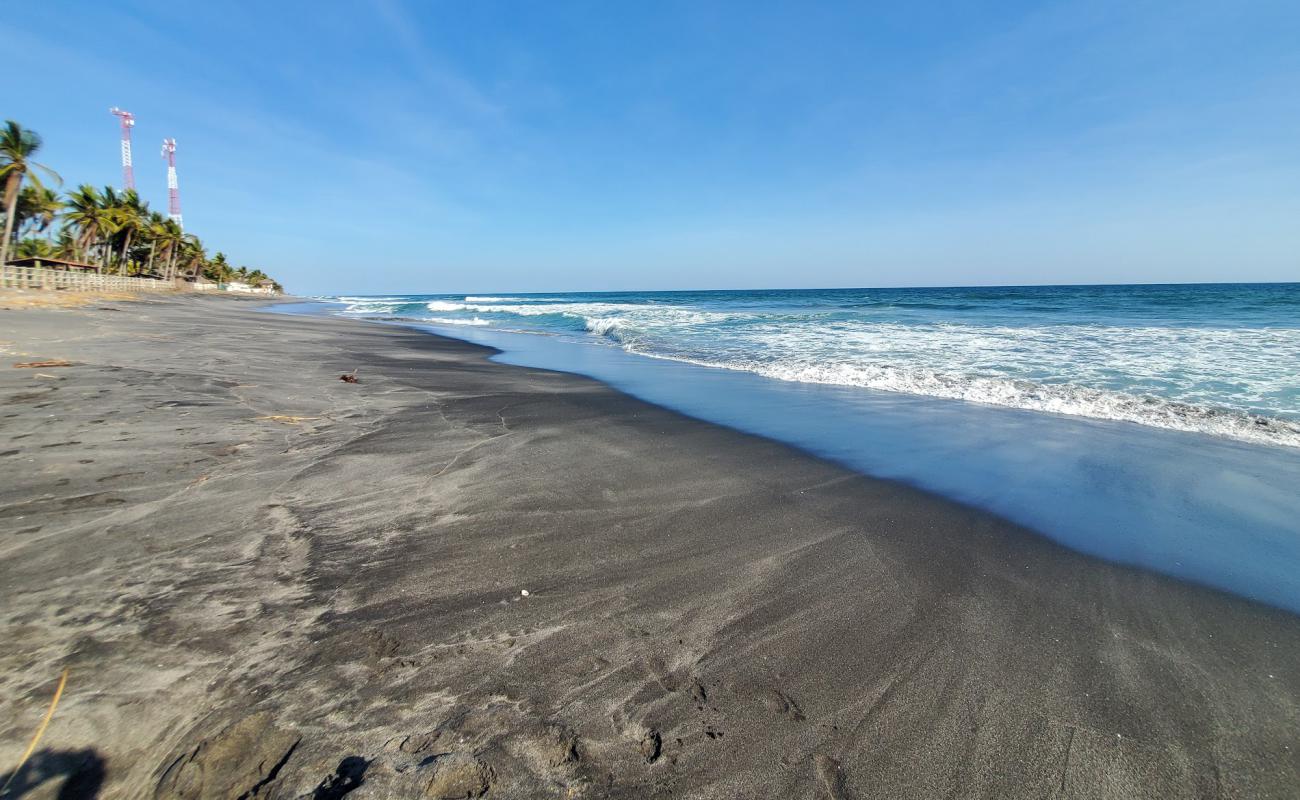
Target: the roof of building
pixel 32 261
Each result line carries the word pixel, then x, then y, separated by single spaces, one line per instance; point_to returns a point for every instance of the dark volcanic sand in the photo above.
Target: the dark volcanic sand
pixel 328 602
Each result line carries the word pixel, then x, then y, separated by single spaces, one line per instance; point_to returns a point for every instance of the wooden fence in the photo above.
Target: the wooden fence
pixel 13 277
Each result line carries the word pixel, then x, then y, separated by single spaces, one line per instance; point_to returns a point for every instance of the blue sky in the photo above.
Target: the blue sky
pixel 390 146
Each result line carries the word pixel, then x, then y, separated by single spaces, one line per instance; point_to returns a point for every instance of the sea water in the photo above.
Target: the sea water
pixel 1155 426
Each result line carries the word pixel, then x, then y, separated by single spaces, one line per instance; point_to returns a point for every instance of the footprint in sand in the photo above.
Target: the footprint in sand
pixel 651 746
pixel 773 699
pixel 830 777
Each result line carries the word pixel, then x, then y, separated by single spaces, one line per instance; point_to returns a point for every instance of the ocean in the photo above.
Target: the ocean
pixel 1216 359
pixel 1152 426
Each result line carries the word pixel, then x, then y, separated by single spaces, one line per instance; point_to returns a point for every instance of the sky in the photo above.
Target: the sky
pixel 385 146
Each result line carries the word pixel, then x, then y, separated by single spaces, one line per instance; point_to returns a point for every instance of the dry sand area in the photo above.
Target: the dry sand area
pixel 18 299
pixel 267 582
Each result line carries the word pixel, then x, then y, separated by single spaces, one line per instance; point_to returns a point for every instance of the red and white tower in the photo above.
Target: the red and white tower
pixel 128 122
pixel 173 188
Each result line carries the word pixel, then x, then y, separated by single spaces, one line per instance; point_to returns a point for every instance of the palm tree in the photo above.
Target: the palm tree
pixel 106 224
pixel 129 214
pixel 88 214
pixel 65 244
pixel 151 228
pixel 35 211
pixel 17 146
pixel 169 237
pixel 193 255
pixel 114 228
pixel 33 247
pixel 219 269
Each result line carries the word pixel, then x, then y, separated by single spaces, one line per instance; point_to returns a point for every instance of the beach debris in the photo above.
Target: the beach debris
pixel 40 730
pixel 287 419
pixel 651 745
pixel 52 362
pixel 523 592
pixel 349 377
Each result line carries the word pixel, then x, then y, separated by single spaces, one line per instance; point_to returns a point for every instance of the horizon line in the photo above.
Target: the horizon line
pixel 835 288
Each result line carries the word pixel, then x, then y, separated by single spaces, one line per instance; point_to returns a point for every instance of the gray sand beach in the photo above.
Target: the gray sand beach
pixel 456 578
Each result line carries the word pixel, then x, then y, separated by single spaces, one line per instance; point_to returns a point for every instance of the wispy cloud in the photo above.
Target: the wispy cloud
pixel 433 72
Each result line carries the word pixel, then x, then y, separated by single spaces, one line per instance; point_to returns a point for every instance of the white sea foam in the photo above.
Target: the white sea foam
pixel 443 305
pixel 368 306
pixel 476 321
pixel 1053 398
pixel 1051 370
pixel 605 326
pixel 490 299
pixel 1151 376
pixel 542 309
pixel 1238 382
pixel 583 312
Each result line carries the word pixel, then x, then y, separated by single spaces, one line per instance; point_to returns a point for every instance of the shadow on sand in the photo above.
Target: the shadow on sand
pixel 82 773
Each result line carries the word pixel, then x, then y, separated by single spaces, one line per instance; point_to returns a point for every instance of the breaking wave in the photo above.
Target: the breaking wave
pixel 361 305
pixel 1030 396
pixel 1180 373
pixel 605 326
pixel 489 299
pixel 443 305
pixel 476 321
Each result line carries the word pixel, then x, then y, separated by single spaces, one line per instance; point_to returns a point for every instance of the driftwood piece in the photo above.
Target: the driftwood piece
pixel 53 362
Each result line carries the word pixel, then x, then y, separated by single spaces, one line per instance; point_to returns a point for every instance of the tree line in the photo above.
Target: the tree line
pixel 113 230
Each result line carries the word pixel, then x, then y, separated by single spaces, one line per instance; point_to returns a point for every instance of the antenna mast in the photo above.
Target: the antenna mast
pixel 128 122
pixel 173 188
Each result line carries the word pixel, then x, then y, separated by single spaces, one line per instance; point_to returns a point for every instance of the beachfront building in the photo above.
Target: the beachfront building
pixel 49 262
pixel 264 286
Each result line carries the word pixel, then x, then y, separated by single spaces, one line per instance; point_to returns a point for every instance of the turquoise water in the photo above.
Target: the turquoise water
pixel 1150 426
pixel 1217 359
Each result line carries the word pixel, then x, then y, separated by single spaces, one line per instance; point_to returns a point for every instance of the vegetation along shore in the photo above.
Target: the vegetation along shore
pixel 115 232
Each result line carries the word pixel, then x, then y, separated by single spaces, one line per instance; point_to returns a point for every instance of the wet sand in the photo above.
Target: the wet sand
pixel 269 582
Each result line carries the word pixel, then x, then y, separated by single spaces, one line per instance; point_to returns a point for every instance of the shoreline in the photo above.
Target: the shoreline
pixel 710 614
pixel 643 324
pixel 1212 511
